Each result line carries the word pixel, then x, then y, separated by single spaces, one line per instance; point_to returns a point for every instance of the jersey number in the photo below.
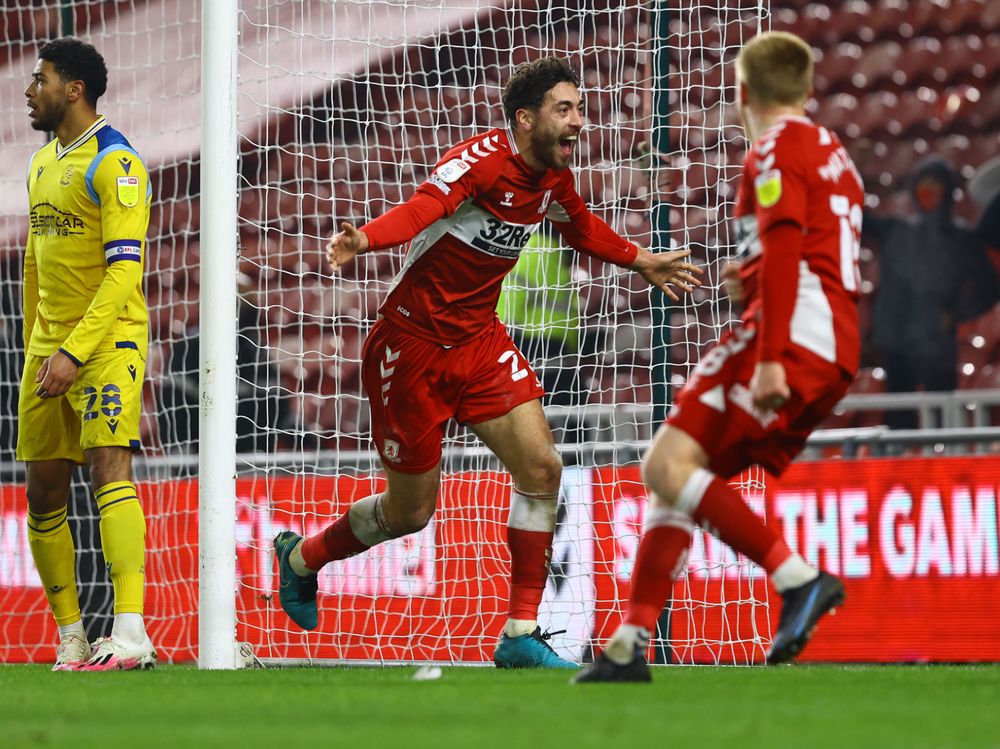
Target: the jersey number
pixel 517 373
pixel 850 239
pixel 111 402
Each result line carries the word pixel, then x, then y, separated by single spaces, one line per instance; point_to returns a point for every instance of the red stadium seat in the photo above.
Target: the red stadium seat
pixel 838 66
pixel 960 16
pixel 989 17
pixel 914 112
pixel 876 65
pixel 985 114
pixel 891 21
pixel 839 112
pixel 918 64
pixel 852 21
pixel 926 18
pixel 986 378
pixel 873 112
pixel 959 61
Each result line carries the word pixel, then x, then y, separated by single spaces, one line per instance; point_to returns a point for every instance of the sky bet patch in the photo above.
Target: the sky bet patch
pixel 768 187
pixel 452 170
pixel 128 191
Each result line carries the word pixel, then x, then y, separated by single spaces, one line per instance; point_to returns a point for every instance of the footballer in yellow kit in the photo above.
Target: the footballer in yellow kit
pixel 86 337
pixel 83 293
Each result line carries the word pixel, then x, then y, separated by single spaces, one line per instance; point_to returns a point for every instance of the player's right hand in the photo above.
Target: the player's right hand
pixel 55 375
pixel 769 386
pixel 662 268
pixel 345 244
pixel 732 282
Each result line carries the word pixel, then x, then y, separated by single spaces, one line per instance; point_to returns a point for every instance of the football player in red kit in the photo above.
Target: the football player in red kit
pixel 438 350
pixel 757 395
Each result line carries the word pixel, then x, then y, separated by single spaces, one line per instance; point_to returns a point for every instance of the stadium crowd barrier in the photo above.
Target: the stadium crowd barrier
pixel 915 540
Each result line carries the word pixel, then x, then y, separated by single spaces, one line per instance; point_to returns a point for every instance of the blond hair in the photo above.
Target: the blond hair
pixel 777 68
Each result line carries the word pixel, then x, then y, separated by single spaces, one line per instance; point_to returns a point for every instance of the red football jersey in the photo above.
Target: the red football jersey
pixel 798 172
pixel 448 287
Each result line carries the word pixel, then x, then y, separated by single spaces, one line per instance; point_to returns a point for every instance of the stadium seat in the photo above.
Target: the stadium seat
pixel 876 65
pixel 838 66
pixel 839 112
pixel 869 116
pixel 984 114
pixel 986 378
pixel 960 16
pixel 891 21
pixel 919 63
pixel 851 21
pixel 926 18
pixel 960 62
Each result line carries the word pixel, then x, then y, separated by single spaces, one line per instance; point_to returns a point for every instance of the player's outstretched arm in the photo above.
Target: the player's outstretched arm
pixel 395 227
pixel 345 244
pixel 588 234
pixel 666 269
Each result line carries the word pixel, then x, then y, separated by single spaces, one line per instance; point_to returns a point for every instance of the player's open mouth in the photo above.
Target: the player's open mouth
pixel 566 144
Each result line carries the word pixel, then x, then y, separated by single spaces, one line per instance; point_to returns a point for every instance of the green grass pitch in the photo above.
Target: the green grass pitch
pixel 791 706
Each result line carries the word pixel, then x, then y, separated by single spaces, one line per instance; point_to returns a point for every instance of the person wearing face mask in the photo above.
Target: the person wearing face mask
pixel 933 274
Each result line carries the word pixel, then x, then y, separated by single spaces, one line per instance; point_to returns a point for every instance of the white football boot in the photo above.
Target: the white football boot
pixel 111 654
pixel 72 653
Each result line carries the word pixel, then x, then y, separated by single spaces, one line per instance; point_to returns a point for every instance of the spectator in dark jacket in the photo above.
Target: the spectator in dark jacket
pixel 933 274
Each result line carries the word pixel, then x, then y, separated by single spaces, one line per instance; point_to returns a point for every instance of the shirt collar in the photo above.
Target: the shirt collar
pixel 82 138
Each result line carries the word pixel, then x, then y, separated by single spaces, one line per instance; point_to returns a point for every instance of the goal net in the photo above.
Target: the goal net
pixel 343 109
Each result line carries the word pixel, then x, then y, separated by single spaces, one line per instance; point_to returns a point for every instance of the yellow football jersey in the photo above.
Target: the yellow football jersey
pixel 86 247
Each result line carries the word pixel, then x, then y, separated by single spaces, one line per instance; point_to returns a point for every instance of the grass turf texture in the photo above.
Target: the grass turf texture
pixel 807 706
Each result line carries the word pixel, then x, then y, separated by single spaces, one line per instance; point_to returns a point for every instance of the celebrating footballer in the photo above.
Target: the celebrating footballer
pixel 438 350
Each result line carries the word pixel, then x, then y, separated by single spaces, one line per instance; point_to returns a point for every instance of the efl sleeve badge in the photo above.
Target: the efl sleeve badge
pixel 128 191
pixel 767 185
pixel 452 170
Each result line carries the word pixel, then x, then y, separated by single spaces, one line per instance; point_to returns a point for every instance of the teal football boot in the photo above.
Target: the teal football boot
pixel 297 592
pixel 529 651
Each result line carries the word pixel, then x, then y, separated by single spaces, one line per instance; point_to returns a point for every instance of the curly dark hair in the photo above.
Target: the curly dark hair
pixel 76 60
pixel 530 82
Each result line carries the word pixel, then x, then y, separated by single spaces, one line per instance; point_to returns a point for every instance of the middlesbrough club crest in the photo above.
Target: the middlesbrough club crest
pixel 390 450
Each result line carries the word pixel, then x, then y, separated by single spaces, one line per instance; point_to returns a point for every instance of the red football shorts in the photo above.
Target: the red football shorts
pixel 415 386
pixel 715 408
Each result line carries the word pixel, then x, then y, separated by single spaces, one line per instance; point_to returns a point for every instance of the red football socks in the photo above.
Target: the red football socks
pixel 336 542
pixel 661 557
pixel 721 510
pixel 530 554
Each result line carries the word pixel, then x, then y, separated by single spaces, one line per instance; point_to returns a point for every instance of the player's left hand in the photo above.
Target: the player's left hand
pixel 55 375
pixel 345 244
pixel 662 268
pixel 768 386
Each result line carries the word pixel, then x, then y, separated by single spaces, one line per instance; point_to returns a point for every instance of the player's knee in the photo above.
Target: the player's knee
pixel 407 513
pixel 664 475
pixel 544 474
pixel 411 520
pixel 45 497
pixel 109 464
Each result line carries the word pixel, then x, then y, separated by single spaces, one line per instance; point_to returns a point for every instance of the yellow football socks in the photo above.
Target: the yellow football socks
pixel 123 539
pixel 55 558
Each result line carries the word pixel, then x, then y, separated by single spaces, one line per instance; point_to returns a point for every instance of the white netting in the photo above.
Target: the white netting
pixel 358 101
pixel 343 107
pixel 152 52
